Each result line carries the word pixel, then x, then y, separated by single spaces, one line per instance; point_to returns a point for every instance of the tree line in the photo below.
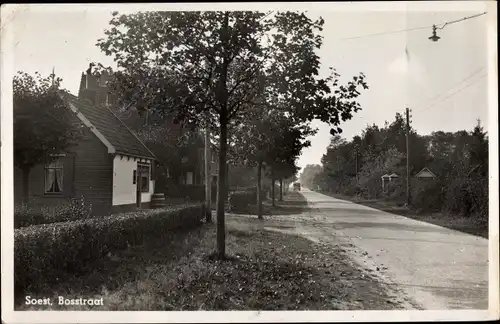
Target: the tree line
pixel 459 160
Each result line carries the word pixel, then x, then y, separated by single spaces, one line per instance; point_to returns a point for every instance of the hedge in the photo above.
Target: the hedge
pixel 239 200
pixel 43 252
pixel 75 209
pixel 192 192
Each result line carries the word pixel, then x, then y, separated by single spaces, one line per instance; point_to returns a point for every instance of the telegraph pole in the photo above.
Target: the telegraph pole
pixel 408 192
pixel 356 151
pixel 208 182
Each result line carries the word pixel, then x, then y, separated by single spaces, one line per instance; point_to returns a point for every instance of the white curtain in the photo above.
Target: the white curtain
pixel 54 177
pixel 59 177
pixel 49 179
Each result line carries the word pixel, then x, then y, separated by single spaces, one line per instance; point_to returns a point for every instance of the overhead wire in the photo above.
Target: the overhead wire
pixel 415 28
pixel 454 93
pixel 462 19
pixel 454 85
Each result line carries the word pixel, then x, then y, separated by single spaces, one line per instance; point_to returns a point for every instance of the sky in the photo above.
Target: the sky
pixel 429 80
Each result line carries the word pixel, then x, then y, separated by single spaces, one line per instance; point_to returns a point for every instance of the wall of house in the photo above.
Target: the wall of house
pixel 88 172
pixel 94 174
pixel 124 189
pixel 37 195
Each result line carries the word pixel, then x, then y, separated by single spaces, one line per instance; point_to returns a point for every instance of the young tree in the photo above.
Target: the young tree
pixel 41 129
pixel 206 66
pixel 286 146
pixel 285 171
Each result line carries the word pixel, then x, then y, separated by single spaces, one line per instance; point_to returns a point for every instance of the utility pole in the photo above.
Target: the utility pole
pixel 408 193
pixel 208 174
pixel 356 151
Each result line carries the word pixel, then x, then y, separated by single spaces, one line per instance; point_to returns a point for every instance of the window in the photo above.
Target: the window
pixel 54 176
pixel 143 172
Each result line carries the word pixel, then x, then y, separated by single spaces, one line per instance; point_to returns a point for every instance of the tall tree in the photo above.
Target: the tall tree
pixel 42 127
pixel 206 66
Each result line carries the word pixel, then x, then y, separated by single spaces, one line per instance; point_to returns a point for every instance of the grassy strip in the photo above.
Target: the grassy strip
pixel 293 203
pixel 464 224
pixel 264 271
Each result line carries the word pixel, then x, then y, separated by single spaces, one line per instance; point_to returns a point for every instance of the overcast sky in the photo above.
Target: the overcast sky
pixel 47 37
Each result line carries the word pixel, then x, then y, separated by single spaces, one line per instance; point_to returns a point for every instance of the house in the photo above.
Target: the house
pixel 110 167
pixel 185 170
pixel 424 174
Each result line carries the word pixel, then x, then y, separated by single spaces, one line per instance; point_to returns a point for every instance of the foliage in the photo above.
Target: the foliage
pixel 240 200
pixel 42 124
pixel 459 160
pixel 75 209
pixel 191 192
pixel 42 252
pixel 211 68
pixel 308 174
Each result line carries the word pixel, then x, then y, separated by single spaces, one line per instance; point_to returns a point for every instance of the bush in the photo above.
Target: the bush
pixel 428 195
pixel 396 191
pixel 468 197
pixel 42 253
pixel 189 192
pixel 73 210
pixel 239 200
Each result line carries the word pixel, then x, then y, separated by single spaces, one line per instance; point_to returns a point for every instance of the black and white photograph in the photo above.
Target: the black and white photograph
pixel 249 162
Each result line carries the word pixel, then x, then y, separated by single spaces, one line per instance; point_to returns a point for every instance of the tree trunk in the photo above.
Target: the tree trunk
pixel 221 192
pixel 227 182
pixel 273 181
pixel 208 175
pixel 26 186
pixel 223 120
pixel 281 189
pixel 259 190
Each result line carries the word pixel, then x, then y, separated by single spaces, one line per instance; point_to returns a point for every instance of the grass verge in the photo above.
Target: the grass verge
pixel 464 224
pixel 293 203
pixel 265 271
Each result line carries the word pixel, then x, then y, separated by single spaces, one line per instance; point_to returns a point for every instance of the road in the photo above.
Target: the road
pixel 437 268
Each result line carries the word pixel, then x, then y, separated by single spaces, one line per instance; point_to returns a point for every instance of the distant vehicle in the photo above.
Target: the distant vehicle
pixel 296 186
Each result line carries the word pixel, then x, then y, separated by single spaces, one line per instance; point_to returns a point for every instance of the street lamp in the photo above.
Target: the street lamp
pixel 434 37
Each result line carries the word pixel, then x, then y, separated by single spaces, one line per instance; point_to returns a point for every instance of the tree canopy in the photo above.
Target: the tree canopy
pixel 211 68
pixel 42 128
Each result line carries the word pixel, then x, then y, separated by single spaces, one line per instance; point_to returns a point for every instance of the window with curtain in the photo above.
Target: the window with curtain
pixel 54 176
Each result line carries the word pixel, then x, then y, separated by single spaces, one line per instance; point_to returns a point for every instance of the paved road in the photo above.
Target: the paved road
pixel 436 267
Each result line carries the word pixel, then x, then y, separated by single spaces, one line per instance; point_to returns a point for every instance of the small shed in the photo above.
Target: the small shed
pixel 425 173
pixel 388 178
pixel 393 176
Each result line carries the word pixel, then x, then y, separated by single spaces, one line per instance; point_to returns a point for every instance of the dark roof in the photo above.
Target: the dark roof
pixel 110 126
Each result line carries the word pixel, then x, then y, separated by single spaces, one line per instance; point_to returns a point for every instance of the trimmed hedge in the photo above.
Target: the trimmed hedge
pixel 75 209
pixel 43 252
pixel 239 200
pixel 192 192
